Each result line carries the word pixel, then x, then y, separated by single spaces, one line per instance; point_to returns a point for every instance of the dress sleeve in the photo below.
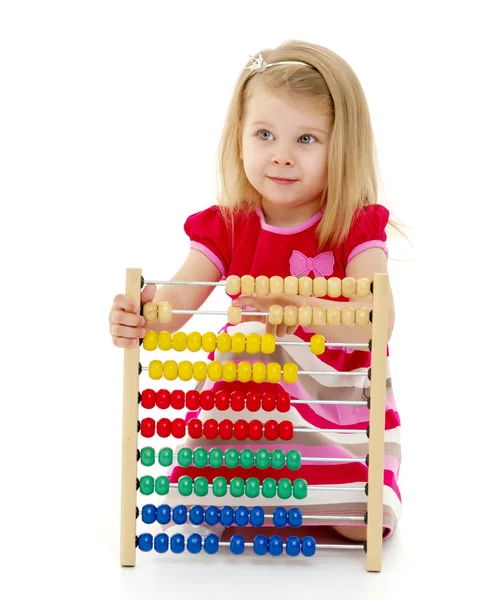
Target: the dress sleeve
pixel 208 234
pixel 367 231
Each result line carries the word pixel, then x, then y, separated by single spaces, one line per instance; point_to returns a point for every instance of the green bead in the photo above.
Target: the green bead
pixel 269 487
pixel 165 457
pixel 147 456
pixel 185 456
pixel 185 485
pixel 219 486
pixel 231 458
pixel 200 457
pixel 300 489
pixel 277 459
pixel 201 486
pixel 262 459
pixel 293 460
pixel 147 484
pixel 247 458
pixel 236 487
pixel 162 485
pixel 285 488
pixel 252 487
pixel 216 458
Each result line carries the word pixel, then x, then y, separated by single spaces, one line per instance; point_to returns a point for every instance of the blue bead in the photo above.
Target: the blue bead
pixel 257 516
pixel 177 543
pixel 308 546
pixel 295 517
pixel 293 546
pixel 237 544
pixel 145 542
pixel 163 514
pixel 241 516
pixel 212 515
pixel 275 545
pixel 226 516
pixel 280 516
pixel 179 514
pixel 194 543
pixel 161 543
pixel 260 545
pixel 148 514
pixel 211 543
pixel 197 514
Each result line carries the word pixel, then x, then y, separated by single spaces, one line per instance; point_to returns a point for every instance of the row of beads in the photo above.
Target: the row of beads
pixel 212 429
pixel 231 458
pixel 294 286
pixel 226 516
pixel 229 371
pixel 238 401
pixel 285 488
pixel 261 544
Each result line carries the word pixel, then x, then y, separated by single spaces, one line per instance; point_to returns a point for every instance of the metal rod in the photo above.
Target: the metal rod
pixel 314 459
pixel 315 488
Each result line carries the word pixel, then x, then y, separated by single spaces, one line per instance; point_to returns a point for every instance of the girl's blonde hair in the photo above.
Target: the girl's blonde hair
pixel 352 168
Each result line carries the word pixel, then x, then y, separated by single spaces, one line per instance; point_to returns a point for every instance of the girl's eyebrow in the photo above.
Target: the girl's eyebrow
pixel 302 127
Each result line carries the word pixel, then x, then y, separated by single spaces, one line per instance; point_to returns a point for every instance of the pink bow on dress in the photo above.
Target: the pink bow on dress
pixel 321 265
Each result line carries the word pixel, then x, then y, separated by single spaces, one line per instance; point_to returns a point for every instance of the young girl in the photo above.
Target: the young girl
pixel 299 197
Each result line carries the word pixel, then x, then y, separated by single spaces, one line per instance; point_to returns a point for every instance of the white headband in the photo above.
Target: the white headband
pixel 259 64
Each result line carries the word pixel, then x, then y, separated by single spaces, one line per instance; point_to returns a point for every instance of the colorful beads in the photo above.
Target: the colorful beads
pixel 273 371
pixel 194 341
pixel 162 485
pixel 164 340
pixel 219 487
pixel 185 457
pixel 290 372
pixel 179 341
pixel 268 343
pixel 208 342
pixel 150 341
pixel 155 369
pixel 223 342
pixel 252 487
pixel 165 456
pixel 238 343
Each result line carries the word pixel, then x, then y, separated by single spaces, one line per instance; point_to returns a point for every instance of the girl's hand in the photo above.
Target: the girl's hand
pixel 126 324
pixel 262 304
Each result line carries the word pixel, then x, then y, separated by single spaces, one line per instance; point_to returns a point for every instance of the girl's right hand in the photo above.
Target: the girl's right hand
pixel 127 326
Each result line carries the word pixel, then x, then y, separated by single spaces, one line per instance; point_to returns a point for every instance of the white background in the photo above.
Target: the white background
pixel 110 114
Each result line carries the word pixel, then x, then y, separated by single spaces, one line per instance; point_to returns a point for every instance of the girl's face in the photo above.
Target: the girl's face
pixel 286 139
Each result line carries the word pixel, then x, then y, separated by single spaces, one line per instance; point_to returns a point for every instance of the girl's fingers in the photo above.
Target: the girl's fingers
pixel 121 331
pixel 121 342
pixel 119 317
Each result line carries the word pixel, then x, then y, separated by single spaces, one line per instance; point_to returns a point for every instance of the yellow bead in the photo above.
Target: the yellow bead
pixel 164 340
pixel 334 287
pixel 291 286
pixel 274 372
pixel 317 344
pixel 150 311
pixel 305 286
pixel 253 343
pixel 179 341
pixel 363 287
pixel 234 315
pixel 261 285
pixel 247 285
pixel 199 370
pixel 194 341
pixel 290 372
pixel 305 315
pixel 233 285
pixel 319 315
pixel 155 369
pixel 223 342
pixel 165 312
pixel 290 317
pixel 208 342
pixel 320 287
pixel 268 343
pixel 348 287
pixel 238 342
pixel 259 372
pixel 150 341
pixel 333 316
pixel 185 370
pixel 244 372
pixel 348 316
pixel 229 371
pixel 215 370
pixel 275 314
pixel 362 316
pixel 170 370
pixel 276 286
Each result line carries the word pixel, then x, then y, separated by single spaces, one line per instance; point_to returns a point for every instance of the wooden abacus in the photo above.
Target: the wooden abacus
pixel 257 372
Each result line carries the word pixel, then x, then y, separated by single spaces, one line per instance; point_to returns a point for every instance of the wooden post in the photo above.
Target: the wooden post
pixel 130 435
pixel 377 421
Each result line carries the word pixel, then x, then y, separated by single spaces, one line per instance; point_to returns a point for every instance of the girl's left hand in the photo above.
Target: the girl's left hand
pixel 262 304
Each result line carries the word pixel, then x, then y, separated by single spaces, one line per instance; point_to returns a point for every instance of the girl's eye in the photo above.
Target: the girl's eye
pixel 264 131
pixel 307 135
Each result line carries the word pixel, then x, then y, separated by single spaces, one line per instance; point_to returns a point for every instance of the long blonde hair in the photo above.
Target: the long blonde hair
pixel 352 167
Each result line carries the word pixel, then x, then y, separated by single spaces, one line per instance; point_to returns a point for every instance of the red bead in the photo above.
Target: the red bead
pixel 210 429
pixel 226 429
pixel 177 399
pixel 253 401
pixel 241 429
pixel 147 427
pixel 268 401
pixel 255 429
pixel 163 428
pixel 207 400
pixel 283 402
pixel 222 400
pixel 286 430
pixel 195 429
pixel 148 398
pixel 192 399
pixel 163 399
pixel 237 401
pixel 271 430
pixel 178 428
